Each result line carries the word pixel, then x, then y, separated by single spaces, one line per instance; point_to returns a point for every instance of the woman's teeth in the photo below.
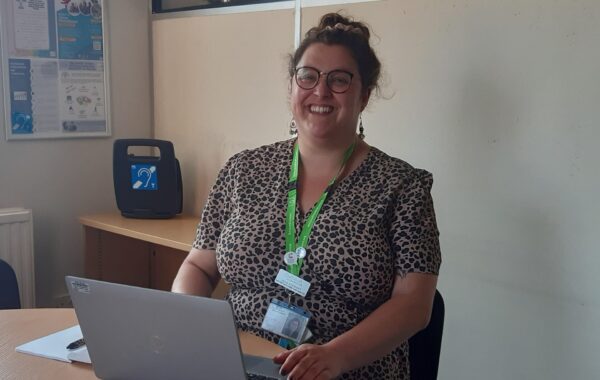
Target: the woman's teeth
pixel 321 109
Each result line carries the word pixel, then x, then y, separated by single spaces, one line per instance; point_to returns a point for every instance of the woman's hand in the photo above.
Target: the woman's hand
pixel 310 362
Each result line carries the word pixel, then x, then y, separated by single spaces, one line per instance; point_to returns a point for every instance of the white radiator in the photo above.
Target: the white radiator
pixel 16 248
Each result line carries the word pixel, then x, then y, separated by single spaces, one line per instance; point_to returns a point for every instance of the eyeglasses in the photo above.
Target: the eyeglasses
pixel 338 81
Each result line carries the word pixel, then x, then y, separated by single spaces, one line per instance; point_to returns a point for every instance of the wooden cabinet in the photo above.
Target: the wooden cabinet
pixel 140 252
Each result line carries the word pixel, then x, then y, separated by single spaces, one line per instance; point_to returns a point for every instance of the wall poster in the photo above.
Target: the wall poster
pixel 54 69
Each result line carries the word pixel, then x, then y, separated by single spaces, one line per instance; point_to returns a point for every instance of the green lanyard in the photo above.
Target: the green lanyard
pixel 290 216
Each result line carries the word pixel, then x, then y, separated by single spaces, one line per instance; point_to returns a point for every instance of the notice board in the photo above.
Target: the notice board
pixel 54 69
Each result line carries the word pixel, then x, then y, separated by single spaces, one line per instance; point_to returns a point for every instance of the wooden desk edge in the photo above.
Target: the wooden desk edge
pixel 257 346
pixel 92 221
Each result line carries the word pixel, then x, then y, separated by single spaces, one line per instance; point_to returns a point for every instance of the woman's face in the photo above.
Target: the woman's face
pixel 320 113
pixel 294 325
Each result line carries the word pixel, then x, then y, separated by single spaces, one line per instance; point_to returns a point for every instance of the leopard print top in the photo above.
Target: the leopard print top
pixel 377 223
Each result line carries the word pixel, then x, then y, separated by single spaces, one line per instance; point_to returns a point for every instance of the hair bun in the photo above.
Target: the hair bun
pixel 330 19
pixel 335 21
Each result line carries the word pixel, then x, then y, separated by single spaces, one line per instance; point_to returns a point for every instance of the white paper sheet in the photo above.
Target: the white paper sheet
pixel 54 346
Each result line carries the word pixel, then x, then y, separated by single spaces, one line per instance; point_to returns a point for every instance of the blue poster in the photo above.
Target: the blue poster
pixel 20 96
pixel 79 27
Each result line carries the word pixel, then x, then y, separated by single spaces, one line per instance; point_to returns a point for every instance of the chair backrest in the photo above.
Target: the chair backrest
pixel 9 288
pixel 425 346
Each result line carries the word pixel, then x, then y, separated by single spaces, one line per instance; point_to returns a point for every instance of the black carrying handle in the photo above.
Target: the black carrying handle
pixel 164 146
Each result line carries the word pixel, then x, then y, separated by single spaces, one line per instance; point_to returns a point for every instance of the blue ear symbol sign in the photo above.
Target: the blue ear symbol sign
pixel 144 172
pixel 143 177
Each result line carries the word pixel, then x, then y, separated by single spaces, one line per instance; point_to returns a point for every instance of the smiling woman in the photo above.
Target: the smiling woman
pixel 323 224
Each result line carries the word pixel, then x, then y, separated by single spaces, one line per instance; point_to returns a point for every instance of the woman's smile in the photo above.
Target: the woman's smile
pixel 321 110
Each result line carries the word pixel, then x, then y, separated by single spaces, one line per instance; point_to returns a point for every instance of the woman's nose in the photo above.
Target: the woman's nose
pixel 322 89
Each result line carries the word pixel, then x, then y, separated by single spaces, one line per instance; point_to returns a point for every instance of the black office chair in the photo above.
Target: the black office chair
pixel 425 346
pixel 9 288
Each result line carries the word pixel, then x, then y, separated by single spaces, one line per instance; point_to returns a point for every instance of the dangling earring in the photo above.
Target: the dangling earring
pixel 293 128
pixel 361 129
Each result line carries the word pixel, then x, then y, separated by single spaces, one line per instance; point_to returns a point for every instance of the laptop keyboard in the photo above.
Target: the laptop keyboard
pixel 252 376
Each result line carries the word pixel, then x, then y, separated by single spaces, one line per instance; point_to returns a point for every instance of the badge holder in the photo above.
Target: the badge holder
pixel 287 321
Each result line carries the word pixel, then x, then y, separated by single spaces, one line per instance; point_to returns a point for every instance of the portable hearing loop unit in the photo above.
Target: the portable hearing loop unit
pixel 147 187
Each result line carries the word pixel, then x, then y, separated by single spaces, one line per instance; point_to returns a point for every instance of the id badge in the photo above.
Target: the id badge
pixel 288 321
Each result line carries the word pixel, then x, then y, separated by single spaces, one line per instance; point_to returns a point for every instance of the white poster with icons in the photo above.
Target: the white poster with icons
pixel 54 72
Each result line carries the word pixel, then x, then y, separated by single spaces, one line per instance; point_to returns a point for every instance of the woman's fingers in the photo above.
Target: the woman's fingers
pixel 310 362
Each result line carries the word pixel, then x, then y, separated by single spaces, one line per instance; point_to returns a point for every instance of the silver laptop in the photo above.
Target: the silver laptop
pixel 138 333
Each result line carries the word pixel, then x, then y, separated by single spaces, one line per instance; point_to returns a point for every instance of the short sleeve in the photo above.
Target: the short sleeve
pixel 217 208
pixel 414 232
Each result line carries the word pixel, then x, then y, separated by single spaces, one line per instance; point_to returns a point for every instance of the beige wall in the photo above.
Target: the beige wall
pixel 62 179
pixel 219 87
pixel 499 99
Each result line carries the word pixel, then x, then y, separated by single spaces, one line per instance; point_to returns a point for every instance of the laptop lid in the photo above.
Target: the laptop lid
pixel 139 333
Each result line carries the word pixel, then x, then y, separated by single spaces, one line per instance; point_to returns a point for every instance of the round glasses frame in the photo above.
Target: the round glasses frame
pixel 329 76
